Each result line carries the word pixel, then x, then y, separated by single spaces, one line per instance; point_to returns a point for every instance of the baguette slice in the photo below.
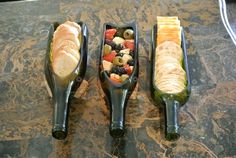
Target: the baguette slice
pixel 64 63
pixel 74 52
pixel 65 48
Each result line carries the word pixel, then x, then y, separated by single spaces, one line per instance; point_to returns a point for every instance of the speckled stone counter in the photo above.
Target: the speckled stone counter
pixel 208 120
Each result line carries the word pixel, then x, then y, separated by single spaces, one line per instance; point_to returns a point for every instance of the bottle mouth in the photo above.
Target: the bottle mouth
pixel 172 136
pixel 59 132
pixel 117 131
pixel 172 133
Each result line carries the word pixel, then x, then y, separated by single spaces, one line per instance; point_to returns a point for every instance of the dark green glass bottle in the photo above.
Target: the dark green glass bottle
pixel 117 95
pixel 170 102
pixel 63 89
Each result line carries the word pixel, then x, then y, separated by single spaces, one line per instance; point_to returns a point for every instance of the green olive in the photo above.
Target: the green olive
pixel 128 34
pixel 107 49
pixel 118 61
pixel 124 77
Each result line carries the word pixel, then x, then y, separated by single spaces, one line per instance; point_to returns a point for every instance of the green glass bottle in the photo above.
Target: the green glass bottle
pixel 63 89
pixel 170 102
pixel 117 95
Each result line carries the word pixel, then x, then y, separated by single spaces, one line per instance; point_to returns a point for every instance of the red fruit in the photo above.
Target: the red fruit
pixel 109 34
pixel 128 69
pixel 129 44
pixel 110 57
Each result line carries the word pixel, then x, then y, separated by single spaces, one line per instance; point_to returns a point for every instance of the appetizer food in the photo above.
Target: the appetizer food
pixel 65 54
pixel 118 54
pixel 170 77
pixel 170 81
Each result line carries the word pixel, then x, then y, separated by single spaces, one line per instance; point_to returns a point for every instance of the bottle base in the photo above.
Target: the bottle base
pixel 172 136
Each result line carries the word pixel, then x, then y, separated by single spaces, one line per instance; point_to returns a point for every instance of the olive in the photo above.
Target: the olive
pixel 118 61
pixel 126 58
pixel 120 32
pixel 110 43
pixel 120 54
pixel 115 69
pixel 119 47
pixel 131 62
pixel 122 70
pixel 107 49
pixel 131 53
pixel 124 77
pixel 128 34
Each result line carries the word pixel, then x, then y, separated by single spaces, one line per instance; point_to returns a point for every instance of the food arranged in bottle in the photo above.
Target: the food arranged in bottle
pixel 65 48
pixel 170 77
pixel 118 71
pixel 170 81
pixel 118 54
pixel 65 67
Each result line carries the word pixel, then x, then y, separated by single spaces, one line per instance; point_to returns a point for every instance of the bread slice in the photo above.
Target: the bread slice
pixel 64 64
pixel 65 29
pixel 66 48
pixel 75 25
pixel 74 52
pixel 58 39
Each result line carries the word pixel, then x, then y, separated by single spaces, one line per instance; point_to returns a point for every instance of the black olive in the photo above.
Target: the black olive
pixel 119 47
pixel 110 43
pixel 115 69
pixel 131 62
pixel 120 54
pixel 131 53
pixel 120 32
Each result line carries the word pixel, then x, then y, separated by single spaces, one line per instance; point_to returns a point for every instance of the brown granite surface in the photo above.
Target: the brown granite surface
pixel 208 120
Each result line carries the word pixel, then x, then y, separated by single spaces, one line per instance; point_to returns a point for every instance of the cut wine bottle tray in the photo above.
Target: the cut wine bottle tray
pixel 63 89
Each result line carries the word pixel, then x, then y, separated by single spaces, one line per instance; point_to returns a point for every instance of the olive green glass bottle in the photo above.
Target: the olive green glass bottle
pixel 63 89
pixel 170 102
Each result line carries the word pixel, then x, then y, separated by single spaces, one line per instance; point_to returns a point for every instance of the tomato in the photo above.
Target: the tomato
pixel 128 69
pixel 110 57
pixel 109 34
pixel 129 44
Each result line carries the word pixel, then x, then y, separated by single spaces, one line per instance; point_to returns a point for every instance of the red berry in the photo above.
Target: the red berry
pixel 110 57
pixel 109 34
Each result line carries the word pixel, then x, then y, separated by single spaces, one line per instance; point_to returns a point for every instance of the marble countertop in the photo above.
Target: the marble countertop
pixel 208 119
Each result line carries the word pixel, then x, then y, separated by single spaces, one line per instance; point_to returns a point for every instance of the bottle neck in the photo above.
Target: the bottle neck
pixel 117 104
pixel 61 112
pixel 171 119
